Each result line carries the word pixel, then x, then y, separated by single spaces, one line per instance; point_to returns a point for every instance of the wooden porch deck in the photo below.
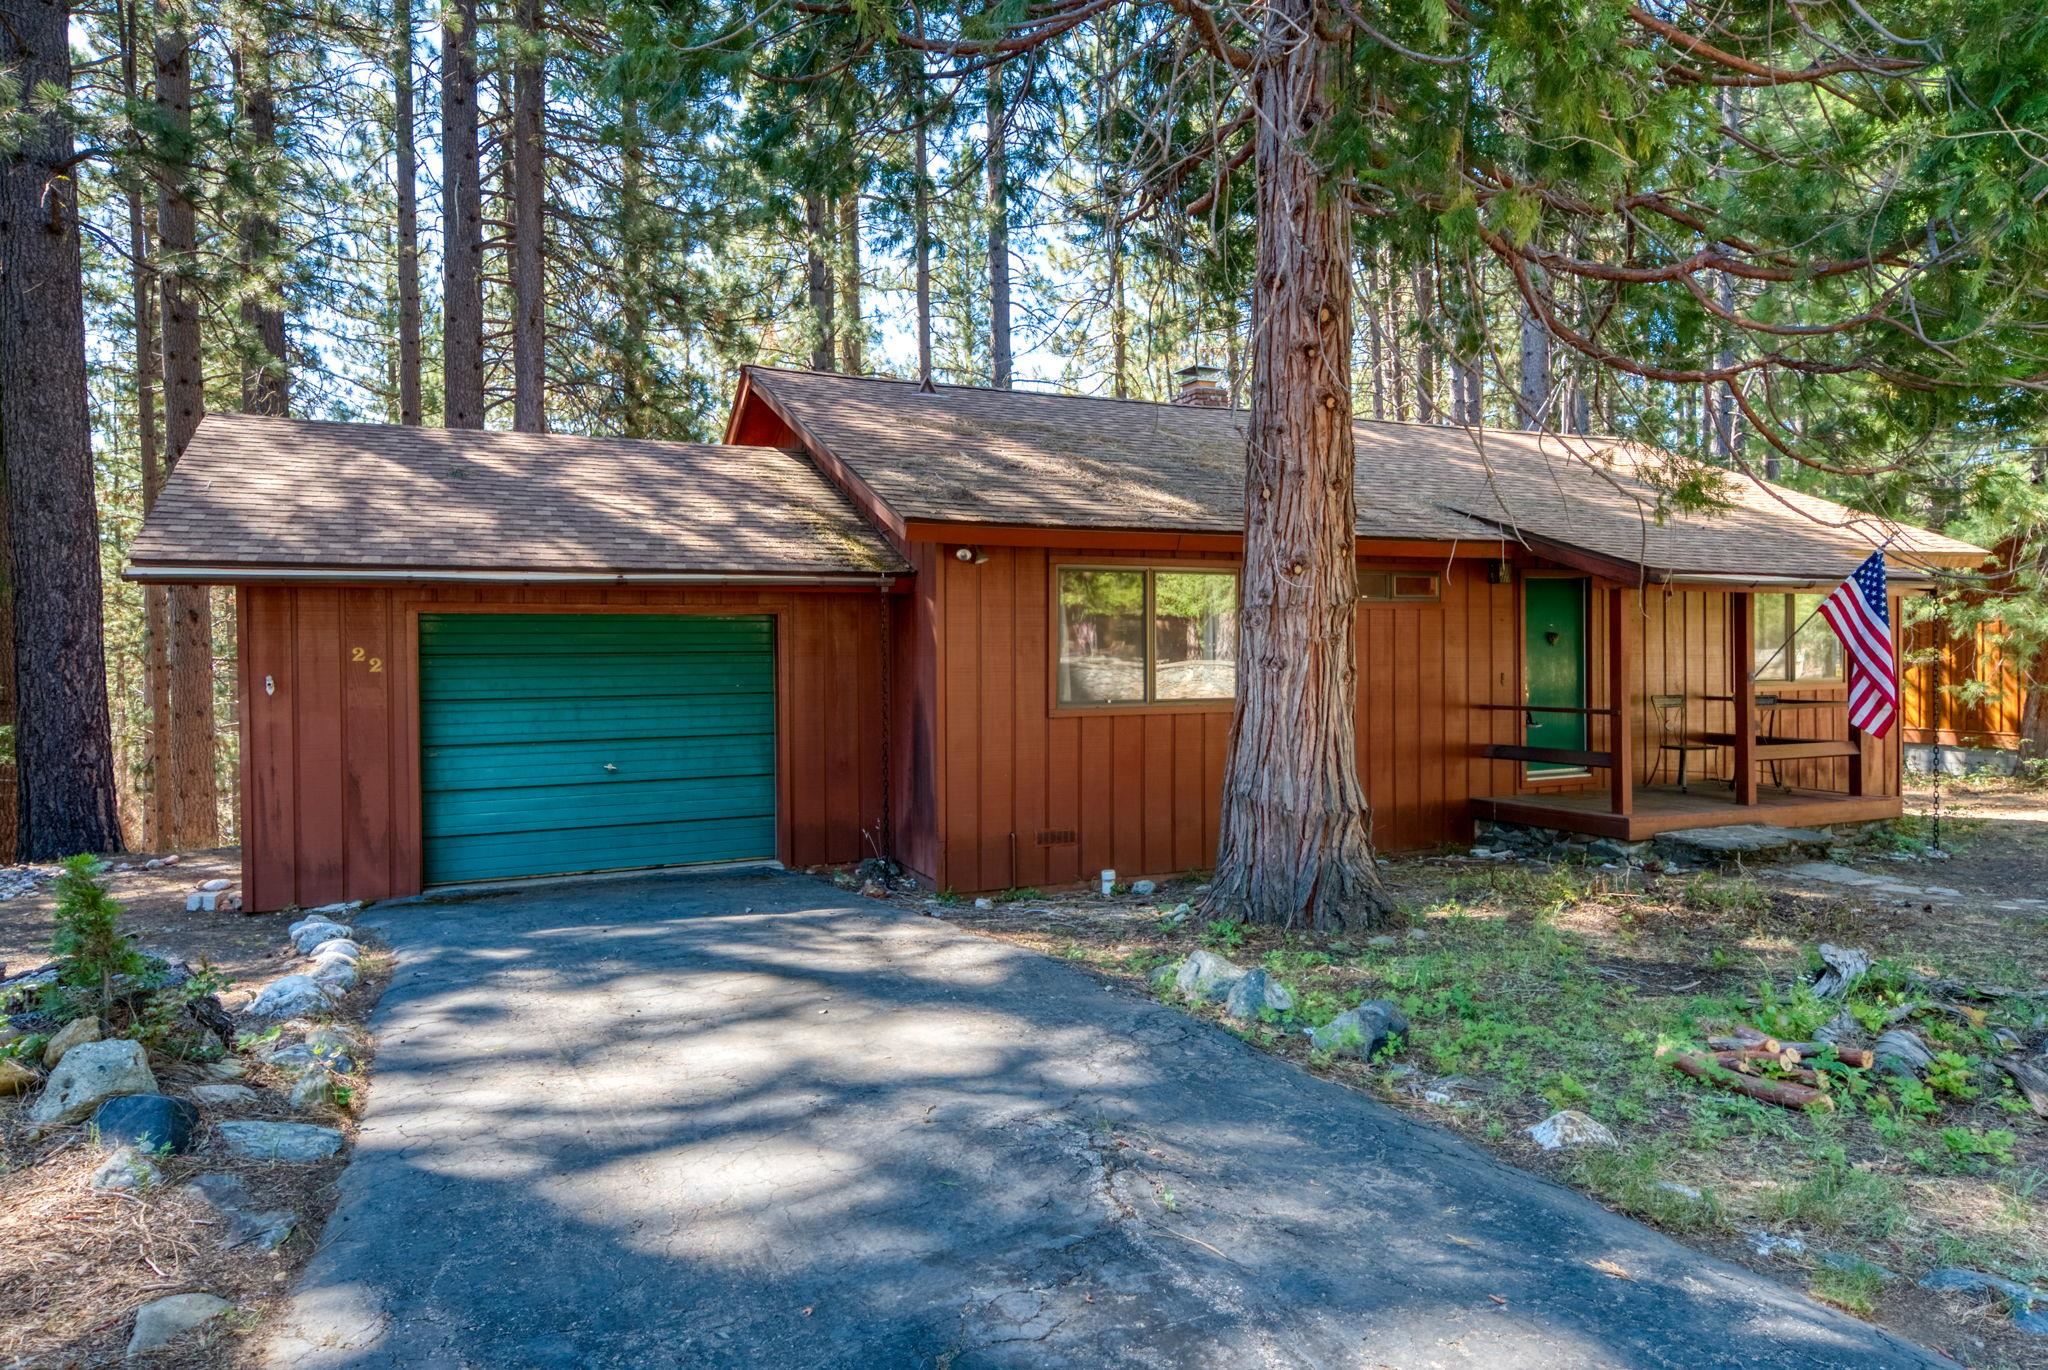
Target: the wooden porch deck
pixel 1662 808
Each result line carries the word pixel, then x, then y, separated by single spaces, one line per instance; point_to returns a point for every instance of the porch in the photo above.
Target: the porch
pixel 1788 759
pixel 1662 808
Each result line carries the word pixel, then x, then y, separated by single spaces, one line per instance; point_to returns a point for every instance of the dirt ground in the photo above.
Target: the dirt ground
pixel 244 947
pixel 1533 988
pixel 78 1263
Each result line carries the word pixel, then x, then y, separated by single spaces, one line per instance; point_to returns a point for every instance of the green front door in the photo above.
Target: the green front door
pixel 1554 665
pixel 553 743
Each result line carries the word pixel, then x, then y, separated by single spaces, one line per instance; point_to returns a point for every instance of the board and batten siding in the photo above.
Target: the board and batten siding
pixel 331 751
pixel 1028 795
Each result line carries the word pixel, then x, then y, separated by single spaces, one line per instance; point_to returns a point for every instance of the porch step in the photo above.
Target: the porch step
pixel 1750 843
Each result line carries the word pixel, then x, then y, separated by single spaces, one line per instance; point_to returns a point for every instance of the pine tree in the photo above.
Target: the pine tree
pixel 63 741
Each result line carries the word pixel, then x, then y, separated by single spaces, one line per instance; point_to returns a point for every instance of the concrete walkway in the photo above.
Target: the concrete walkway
pixel 733 1121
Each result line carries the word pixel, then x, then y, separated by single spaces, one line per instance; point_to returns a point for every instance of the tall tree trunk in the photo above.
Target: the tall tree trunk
pixel 1000 362
pixel 265 374
pixel 155 805
pixel 462 223
pixel 194 748
pixel 818 281
pixel 921 233
pixel 853 324
pixel 635 383
pixel 1532 400
pixel 1423 285
pixel 406 174
pixel 1375 341
pixel 63 740
pixel 1295 847
pixel 529 197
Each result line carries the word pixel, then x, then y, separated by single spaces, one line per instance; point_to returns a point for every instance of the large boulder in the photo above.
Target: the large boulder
pixel 159 1324
pixel 294 996
pixel 1568 1129
pixel 88 1076
pixel 312 932
pixel 16 1078
pixel 1205 975
pixel 75 1033
pixel 126 1171
pixel 1362 1031
pixel 226 1195
pixel 337 974
pixel 154 1122
pixel 295 1142
pixel 1745 842
pixel 325 1048
pixel 221 1096
pixel 1256 993
pixel 337 946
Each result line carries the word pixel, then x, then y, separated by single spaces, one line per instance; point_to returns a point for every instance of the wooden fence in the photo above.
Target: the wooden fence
pixel 1940 657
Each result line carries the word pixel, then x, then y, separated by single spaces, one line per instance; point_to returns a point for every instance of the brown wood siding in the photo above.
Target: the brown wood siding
pixel 331 750
pixel 1139 790
pixel 1960 688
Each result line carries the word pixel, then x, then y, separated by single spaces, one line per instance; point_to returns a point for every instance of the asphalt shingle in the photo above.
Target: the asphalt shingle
pixel 964 455
pixel 292 494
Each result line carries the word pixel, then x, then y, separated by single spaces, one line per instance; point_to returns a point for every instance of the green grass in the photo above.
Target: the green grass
pixel 1635 1180
pixel 1839 1199
pixel 1854 1286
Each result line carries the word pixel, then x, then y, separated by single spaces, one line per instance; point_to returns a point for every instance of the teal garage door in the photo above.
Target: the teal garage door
pixel 553 743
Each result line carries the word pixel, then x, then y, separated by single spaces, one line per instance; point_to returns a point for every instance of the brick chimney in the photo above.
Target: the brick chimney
pixel 1201 387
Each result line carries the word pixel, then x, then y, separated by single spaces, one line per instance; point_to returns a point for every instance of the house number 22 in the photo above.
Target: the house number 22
pixel 376 662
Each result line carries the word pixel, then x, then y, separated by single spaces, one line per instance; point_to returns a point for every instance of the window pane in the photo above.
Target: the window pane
pixel 1375 585
pixel 1771 627
pixel 1102 637
pixel 1194 634
pixel 1818 652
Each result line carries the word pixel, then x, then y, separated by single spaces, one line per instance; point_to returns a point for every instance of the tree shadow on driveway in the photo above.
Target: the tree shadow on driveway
pixel 734 1122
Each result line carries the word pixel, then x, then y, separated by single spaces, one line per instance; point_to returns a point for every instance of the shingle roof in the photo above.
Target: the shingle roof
pixel 965 455
pixel 286 493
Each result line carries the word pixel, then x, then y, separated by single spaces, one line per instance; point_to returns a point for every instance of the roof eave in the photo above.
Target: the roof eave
pixel 201 573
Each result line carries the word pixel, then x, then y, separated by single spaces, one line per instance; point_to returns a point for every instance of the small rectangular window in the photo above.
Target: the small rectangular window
pixel 1794 644
pixel 1102 637
pixel 1144 636
pixel 1378 586
pixel 1194 635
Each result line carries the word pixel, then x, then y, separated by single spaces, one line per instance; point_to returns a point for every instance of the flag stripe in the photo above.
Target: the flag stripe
pixel 1859 611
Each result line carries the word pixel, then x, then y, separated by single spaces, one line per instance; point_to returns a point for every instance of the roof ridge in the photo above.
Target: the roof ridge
pixel 1169 404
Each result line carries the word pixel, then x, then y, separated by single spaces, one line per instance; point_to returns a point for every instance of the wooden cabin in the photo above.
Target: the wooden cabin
pixel 988 633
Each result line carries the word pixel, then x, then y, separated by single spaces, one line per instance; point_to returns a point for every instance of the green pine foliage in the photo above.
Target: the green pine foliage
pixel 91 950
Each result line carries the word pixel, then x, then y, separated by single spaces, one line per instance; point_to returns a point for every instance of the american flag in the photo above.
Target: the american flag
pixel 1860 614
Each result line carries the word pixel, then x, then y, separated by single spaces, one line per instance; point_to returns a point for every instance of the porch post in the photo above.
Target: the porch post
pixel 1621 775
pixel 1742 634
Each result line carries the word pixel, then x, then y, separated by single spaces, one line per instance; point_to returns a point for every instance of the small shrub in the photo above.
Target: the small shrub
pixel 1224 933
pixel 89 945
pixel 1950 1075
pixel 1969 1146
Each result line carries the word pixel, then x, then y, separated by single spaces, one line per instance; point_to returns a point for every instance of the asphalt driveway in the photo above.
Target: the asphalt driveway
pixel 737 1121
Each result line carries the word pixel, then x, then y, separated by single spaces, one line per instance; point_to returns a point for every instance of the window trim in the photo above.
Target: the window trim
pixel 1392 572
pixel 1787 660
pixel 1056 707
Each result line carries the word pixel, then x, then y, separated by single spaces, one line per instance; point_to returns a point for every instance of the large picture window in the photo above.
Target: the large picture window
pixel 1144 635
pixel 1794 645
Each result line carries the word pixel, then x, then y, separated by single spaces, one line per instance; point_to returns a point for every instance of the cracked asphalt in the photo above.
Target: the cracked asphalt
pixel 740 1121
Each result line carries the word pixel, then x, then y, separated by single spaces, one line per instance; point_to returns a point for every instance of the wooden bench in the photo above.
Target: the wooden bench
pixel 1797 749
pixel 1546 756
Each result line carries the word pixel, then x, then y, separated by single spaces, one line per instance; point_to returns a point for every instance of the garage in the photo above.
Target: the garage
pixel 556 743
